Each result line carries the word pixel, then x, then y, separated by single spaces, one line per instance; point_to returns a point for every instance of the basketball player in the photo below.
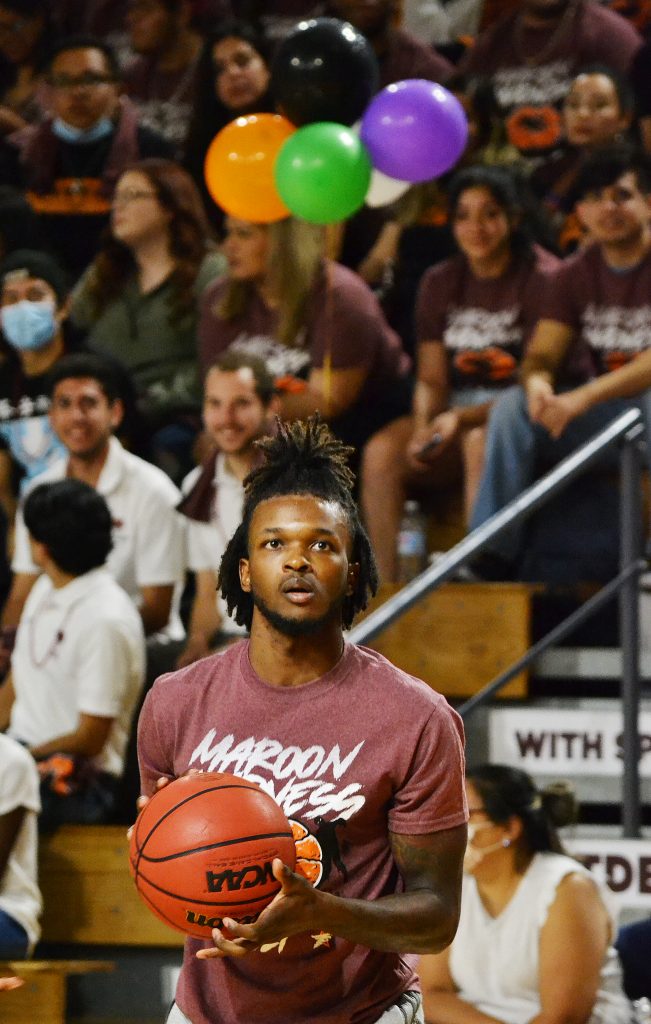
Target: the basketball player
pixel 366 760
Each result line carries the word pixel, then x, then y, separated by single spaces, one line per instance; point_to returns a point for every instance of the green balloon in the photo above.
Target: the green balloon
pixel 323 172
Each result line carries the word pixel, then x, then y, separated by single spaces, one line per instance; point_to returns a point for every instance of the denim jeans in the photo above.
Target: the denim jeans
pixel 14 943
pixel 515 447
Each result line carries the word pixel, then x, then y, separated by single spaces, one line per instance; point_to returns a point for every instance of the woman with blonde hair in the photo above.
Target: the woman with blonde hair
pixel 534 939
pixel 316 324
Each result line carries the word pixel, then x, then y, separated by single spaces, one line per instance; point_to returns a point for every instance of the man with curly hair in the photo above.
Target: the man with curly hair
pixel 366 761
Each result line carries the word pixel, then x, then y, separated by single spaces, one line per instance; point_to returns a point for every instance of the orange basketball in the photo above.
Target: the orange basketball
pixel 202 849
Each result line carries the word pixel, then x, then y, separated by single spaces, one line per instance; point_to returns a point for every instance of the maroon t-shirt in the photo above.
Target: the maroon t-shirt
pixel 343 319
pixel 532 69
pixel 608 310
pixel 361 751
pixel 483 323
pixel 163 99
pixel 408 57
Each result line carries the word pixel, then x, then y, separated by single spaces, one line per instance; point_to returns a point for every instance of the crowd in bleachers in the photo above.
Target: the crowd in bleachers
pixel 481 325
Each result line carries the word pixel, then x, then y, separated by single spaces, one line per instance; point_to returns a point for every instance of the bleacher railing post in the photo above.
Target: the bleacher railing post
pixel 629 627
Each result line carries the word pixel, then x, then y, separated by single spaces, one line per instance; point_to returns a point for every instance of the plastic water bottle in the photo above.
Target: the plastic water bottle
pixel 412 542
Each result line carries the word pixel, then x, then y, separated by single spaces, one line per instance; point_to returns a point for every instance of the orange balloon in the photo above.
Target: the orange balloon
pixel 239 167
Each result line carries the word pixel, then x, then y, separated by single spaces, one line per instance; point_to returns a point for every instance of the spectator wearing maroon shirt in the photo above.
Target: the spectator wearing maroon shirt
pixel 474 314
pixel 161 79
pixel 232 79
pixel 24 34
pixel 532 55
pixel 316 325
pixel 69 164
pixel 597 111
pixel 600 299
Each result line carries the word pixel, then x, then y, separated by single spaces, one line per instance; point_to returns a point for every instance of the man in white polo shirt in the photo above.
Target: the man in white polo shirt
pixel 147 559
pixel 78 664
pixel 238 403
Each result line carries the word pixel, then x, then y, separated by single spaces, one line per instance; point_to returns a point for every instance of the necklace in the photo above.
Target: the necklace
pixel 57 637
pixel 549 49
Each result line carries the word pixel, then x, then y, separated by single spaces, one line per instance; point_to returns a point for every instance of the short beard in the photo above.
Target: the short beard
pixel 296 627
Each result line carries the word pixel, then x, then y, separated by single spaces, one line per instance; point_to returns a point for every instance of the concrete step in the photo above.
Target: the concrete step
pixel 586 663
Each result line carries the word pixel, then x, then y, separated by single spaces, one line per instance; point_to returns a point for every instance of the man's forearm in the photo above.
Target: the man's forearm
pixel 627 382
pixel 411 922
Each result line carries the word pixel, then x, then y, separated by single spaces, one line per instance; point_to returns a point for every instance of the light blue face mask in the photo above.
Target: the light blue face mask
pixel 82 136
pixel 28 326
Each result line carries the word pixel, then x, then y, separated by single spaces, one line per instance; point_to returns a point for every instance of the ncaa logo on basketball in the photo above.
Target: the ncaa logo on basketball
pixel 245 878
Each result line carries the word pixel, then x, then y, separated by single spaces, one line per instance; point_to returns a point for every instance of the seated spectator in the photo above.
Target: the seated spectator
pixel 532 54
pixel 24 34
pixel 20 899
pixel 147 554
pixel 599 301
pixel 535 938
pixel 239 400
pixel 160 81
pixel 474 314
pixel 232 80
pixel 416 234
pixel 78 663
pixel 634 948
pixel 400 55
pixel 597 111
pixel 315 324
pixel 69 164
pixel 34 300
pixel 139 300
pixel 33 310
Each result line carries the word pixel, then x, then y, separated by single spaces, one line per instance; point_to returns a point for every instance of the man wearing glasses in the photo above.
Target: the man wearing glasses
pixel 69 164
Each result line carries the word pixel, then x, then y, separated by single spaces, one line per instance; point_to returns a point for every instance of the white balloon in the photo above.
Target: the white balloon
pixel 384 190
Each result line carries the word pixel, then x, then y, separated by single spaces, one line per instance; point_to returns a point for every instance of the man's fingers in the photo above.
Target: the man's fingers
pixel 237 947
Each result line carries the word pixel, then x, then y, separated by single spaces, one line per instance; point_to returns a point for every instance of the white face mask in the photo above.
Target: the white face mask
pixel 473 855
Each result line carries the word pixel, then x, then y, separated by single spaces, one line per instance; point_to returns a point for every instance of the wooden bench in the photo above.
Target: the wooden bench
pixel 42 999
pixel 89 895
pixel 461 636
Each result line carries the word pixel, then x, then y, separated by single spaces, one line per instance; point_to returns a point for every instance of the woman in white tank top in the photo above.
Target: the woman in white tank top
pixel 534 938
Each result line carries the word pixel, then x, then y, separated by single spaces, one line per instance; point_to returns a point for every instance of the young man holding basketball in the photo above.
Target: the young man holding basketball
pixel 364 759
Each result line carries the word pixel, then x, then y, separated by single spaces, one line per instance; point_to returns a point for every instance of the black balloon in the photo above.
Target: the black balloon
pixel 325 70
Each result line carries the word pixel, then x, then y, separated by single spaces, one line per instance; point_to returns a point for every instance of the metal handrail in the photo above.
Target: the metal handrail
pixel 625 430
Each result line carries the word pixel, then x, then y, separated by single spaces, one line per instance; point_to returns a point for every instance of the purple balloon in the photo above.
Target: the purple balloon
pixel 414 130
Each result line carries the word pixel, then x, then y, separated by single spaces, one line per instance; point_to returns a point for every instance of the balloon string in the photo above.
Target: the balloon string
pixel 327 353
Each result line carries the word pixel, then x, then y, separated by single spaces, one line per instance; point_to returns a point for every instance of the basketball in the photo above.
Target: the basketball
pixel 202 849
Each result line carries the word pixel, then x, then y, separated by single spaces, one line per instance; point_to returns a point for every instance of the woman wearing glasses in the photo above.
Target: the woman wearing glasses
pixel 534 938
pixel 139 299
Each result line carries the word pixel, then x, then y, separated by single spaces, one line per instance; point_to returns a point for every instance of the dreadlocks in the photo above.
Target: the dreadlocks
pixel 302 458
